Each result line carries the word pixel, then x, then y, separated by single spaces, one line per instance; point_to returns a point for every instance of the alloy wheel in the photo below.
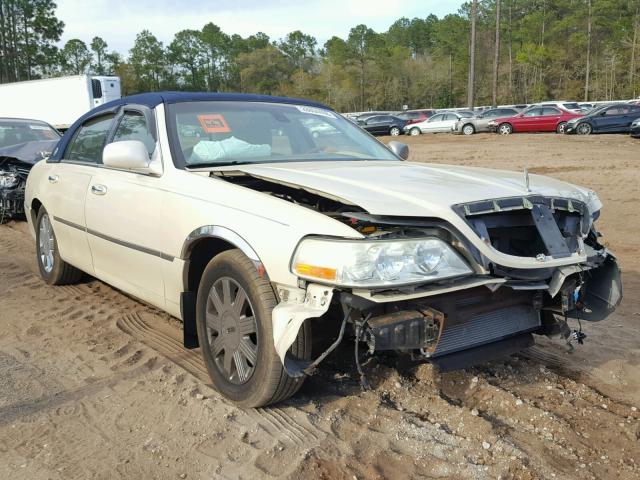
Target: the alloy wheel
pixel 46 243
pixel 584 129
pixel 505 129
pixel 468 130
pixel 232 331
pixel 415 132
pixel 395 131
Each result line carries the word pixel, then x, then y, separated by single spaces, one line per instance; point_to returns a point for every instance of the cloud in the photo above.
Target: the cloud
pixel 118 22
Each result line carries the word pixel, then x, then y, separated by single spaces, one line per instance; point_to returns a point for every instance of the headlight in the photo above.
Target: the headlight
pixel 8 179
pixel 376 263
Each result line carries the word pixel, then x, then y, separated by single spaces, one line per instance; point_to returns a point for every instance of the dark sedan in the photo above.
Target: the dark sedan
pixel 383 125
pixel 22 144
pixel 615 118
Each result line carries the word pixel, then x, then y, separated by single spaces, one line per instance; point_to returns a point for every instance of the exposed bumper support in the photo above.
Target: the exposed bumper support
pixel 294 308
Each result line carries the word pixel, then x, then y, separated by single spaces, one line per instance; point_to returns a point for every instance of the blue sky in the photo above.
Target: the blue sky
pixel 119 21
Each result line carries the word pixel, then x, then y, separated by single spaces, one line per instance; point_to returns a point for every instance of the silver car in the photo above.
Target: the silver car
pixel 480 123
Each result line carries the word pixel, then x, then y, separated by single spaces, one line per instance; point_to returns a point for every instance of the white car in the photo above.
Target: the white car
pixel 256 233
pixel 438 123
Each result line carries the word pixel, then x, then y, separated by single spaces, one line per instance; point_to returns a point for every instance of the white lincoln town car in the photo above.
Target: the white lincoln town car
pixel 238 215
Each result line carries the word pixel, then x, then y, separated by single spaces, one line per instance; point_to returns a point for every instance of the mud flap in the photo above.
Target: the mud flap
pixel 288 316
pixel 602 292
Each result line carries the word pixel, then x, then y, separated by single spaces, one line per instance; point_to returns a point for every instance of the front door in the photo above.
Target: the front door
pixel 123 222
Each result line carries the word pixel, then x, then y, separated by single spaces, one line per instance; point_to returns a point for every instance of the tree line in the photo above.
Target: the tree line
pixel 489 52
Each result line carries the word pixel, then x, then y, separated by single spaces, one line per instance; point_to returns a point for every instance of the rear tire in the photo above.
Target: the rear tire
pixel 584 129
pixel 53 269
pixel 505 129
pixel 237 338
pixel 561 128
pixel 414 132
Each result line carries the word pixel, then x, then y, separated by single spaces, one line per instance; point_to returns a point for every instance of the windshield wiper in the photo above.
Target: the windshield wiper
pixel 218 164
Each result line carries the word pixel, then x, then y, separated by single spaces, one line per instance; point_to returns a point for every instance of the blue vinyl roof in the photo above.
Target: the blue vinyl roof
pixel 151 100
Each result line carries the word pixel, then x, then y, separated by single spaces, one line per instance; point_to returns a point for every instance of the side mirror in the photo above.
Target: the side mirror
pixel 127 155
pixel 400 149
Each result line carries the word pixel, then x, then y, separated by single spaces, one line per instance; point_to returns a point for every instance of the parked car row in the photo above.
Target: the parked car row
pixel 555 116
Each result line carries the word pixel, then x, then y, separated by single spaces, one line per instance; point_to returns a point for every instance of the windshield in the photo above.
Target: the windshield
pixel 221 133
pixel 571 106
pixel 14 132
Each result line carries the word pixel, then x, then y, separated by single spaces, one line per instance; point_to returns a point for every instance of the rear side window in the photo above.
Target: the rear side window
pixel 133 126
pixel 534 112
pixel 88 142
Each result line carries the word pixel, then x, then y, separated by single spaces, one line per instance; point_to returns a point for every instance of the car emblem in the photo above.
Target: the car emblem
pixel 526 179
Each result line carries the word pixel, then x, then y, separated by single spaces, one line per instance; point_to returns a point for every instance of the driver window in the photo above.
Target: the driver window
pixel 436 118
pixel 534 112
pixel 87 144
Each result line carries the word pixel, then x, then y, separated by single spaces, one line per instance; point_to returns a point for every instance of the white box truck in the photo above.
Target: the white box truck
pixel 58 101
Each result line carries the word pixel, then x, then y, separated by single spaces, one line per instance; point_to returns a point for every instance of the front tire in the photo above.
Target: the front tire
pixel 414 132
pixel 233 317
pixel 394 132
pixel 468 129
pixel 584 129
pixel 505 129
pixel 562 127
pixel 53 269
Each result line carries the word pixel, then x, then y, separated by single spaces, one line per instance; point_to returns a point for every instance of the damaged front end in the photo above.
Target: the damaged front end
pixel 464 317
pixel 16 161
pixel 13 179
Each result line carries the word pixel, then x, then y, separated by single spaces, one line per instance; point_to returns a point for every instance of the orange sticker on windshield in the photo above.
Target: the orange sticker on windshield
pixel 213 123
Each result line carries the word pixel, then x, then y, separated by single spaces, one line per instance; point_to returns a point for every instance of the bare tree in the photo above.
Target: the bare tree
pixel 496 57
pixel 472 56
pixel 588 66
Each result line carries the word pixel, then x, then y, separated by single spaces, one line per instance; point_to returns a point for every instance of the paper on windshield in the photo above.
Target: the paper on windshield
pixel 207 151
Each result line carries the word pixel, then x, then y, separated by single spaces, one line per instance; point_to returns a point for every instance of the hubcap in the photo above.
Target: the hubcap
pixel 584 128
pixel 468 130
pixel 415 132
pixel 231 330
pixel 505 130
pixel 46 246
pixel 395 132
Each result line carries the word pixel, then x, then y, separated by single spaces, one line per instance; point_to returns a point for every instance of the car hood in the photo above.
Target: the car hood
pixel 395 188
pixel 29 152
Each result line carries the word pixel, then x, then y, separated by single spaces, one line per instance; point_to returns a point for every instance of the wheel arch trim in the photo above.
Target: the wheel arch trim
pixel 222 233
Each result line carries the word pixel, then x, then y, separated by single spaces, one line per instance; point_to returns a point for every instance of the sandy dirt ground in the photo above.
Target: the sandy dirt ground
pixel 96 385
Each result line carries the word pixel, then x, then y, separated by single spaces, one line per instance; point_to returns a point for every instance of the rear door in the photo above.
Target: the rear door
pixel 69 184
pixel 449 122
pixel 550 119
pixel 633 112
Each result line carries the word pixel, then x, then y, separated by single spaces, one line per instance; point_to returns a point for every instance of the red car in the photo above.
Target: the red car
pixel 415 116
pixel 545 118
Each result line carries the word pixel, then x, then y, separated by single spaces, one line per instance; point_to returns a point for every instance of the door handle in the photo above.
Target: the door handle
pixel 53 178
pixel 98 189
